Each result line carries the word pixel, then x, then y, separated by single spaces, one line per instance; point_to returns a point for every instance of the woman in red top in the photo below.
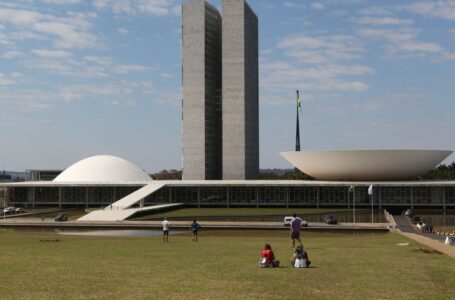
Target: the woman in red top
pixel 269 257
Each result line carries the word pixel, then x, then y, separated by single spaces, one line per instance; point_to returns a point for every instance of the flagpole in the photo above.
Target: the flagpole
pixel 372 200
pixel 353 200
pixel 371 196
pixel 297 131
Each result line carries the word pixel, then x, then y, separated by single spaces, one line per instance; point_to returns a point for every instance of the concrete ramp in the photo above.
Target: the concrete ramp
pixel 122 214
pixel 135 197
pixel 121 210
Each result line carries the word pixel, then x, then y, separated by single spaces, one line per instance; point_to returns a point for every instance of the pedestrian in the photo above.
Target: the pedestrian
pixel 166 226
pixel 194 229
pixel 296 222
pixel 300 259
pixel 268 258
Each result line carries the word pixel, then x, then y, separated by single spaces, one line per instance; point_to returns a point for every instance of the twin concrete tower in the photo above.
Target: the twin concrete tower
pixel 220 137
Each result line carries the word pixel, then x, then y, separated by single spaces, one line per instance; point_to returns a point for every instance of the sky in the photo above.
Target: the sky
pixel 87 77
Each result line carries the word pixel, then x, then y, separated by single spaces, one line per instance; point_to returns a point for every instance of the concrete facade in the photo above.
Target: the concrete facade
pixel 201 68
pixel 240 91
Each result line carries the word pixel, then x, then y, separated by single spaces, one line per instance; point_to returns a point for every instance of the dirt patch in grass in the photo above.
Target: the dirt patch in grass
pixel 427 251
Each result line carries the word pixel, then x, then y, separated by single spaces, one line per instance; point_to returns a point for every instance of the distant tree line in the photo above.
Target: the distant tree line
pixel 442 172
pixel 289 174
pixel 167 175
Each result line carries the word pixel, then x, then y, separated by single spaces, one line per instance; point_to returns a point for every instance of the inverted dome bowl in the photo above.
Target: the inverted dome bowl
pixel 365 165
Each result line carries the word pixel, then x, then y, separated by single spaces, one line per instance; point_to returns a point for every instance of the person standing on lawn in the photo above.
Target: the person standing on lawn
pixel 166 226
pixel 194 229
pixel 296 222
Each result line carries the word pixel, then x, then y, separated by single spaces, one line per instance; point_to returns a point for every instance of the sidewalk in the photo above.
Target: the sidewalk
pixel 441 247
pixel 406 229
pixel 50 223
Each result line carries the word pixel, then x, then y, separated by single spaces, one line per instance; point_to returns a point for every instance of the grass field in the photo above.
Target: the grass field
pixel 240 212
pixel 72 214
pixel 221 266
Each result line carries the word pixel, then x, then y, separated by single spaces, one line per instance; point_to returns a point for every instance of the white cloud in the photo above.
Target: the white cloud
pixel 446 56
pixel 391 35
pixel 166 75
pixel 375 10
pixel 321 49
pixel 317 5
pixel 382 21
pixel 316 65
pixel 443 9
pixel 101 60
pixel 124 103
pixel 12 54
pixel 69 31
pixel 62 2
pixel 125 69
pixel 122 30
pixel 421 47
pixel 134 7
pixel 5 80
pixel 50 53
pixel 406 100
pixel 290 4
pixel 402 42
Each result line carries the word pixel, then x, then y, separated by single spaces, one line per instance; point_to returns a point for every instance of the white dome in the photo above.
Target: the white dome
pixel 103 168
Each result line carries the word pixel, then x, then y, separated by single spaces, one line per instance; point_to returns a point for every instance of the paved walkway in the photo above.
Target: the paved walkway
pixel 436 245
pixel 50 223
pixel 431 240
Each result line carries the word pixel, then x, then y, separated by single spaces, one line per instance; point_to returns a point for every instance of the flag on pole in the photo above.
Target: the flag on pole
pixel 370 190
pixel 351 189
pixel 299 102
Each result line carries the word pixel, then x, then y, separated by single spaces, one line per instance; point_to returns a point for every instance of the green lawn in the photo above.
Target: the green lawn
pixel 221 266
pixel 240 212
pixel 72 214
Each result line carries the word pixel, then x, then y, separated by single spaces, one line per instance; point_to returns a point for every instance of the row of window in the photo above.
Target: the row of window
pixel 240 195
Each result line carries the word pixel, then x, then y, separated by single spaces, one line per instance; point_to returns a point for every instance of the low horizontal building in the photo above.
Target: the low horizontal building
pixel 104 180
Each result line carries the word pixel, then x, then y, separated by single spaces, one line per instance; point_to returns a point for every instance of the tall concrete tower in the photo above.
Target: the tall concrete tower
pixel 240 92
pixel 201 68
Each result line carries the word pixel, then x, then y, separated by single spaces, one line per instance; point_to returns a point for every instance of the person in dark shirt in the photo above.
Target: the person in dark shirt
pixel 194 229
pixel 296 222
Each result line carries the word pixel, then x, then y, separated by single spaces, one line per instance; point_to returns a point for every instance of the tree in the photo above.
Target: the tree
pixel 442 172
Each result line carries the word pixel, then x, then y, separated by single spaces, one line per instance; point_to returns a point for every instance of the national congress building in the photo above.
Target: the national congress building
pixel 220 142
pixel 220 137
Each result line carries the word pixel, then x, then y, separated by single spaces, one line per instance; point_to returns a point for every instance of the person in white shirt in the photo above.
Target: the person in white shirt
pixel 166 226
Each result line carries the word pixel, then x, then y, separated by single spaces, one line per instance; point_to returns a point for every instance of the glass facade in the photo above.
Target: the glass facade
pixel 240 195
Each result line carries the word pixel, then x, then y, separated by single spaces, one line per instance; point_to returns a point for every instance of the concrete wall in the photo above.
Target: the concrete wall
pixel 240 91
pixel 201 105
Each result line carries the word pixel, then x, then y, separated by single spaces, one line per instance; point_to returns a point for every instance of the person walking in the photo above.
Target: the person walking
pixel 194 229
pixel 166 226
pixel 296 222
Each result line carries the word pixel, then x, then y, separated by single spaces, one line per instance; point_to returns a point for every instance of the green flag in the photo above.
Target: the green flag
pixel 299 102
pixel 351 189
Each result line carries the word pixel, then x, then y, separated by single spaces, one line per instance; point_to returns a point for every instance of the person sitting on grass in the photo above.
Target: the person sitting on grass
pixel 194 229
pixel 300 259
pixel 268 258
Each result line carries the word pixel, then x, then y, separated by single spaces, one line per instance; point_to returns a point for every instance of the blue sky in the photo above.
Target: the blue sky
pixel 86 77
